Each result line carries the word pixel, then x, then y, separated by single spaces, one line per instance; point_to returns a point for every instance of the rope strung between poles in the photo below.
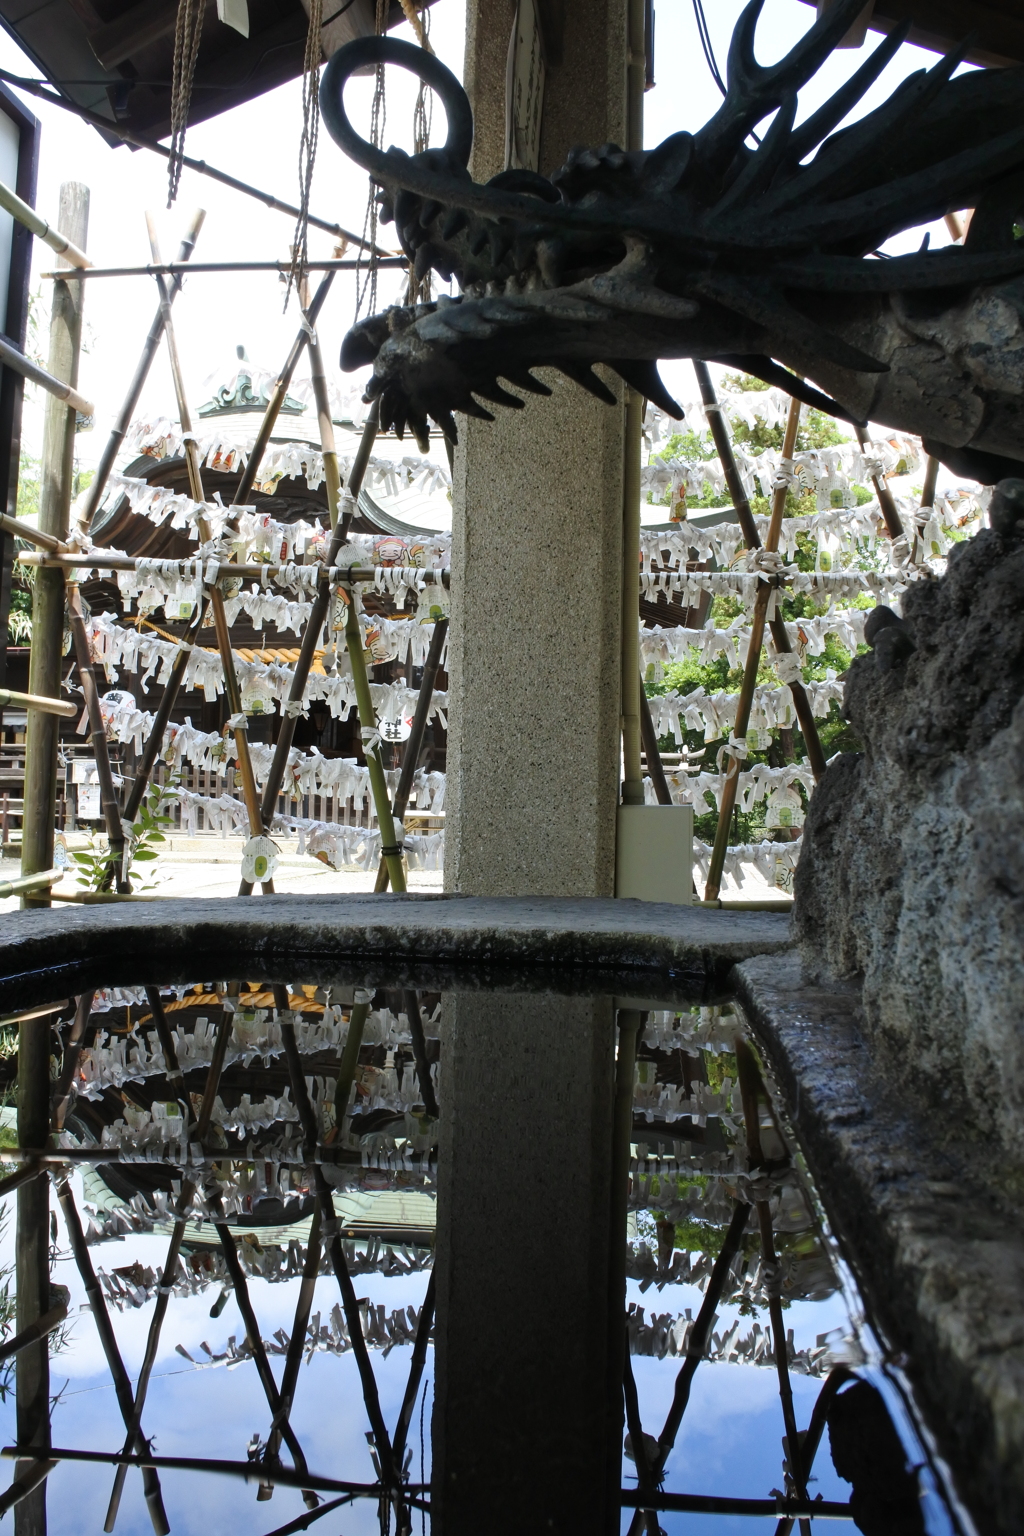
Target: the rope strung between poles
pixel 187 34
pixel 307 143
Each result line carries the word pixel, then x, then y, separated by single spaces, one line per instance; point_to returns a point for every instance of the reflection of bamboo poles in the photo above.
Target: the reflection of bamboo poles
pixel 236 715
pixel 419 1051
pixel 164 1290
pixel 349 1064
pixel 240 1285
pixel 696 1345
pixel 72 1052
pixel 297 1337
pixel 389 1469
pixel 419 1360
pixel 808 1447
pixel 645 1482
pixel 767 592
pixel 413 745
pixel 751 1088
pixel 32 1261
pixel 115 1364
pixel 242 1469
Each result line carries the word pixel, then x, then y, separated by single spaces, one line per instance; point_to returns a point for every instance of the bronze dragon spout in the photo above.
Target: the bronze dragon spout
pixel 763 258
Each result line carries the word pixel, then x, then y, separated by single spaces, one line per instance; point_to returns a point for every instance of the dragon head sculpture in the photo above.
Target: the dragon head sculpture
pixel 763 258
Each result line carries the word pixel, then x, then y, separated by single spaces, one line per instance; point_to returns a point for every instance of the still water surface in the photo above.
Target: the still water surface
pixel 630 1252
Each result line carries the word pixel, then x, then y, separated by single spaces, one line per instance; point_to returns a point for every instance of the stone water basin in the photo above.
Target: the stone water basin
pixel 532 1217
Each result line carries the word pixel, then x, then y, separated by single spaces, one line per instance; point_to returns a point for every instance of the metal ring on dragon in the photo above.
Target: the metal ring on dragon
pixel 389 50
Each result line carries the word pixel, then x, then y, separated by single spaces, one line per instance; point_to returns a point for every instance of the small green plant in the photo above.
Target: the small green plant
pixel 94 862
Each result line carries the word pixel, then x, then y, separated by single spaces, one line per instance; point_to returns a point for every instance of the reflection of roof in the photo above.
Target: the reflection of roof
pixel 394 1215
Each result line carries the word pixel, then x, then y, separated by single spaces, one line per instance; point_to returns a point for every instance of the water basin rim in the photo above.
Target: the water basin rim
pixel 584 945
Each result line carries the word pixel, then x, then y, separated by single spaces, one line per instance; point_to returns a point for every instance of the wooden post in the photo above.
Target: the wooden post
pixel 45 656
pixel 766 590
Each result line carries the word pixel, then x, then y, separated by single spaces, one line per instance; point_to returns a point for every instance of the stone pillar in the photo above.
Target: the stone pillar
pixel 526 1429
pixel 534 655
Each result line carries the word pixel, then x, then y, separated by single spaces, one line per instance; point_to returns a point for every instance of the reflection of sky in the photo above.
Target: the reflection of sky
pixel 215 1411
pixel 730 1443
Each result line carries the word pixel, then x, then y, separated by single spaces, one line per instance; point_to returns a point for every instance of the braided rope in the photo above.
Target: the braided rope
pixel 308 142
pixel 188 31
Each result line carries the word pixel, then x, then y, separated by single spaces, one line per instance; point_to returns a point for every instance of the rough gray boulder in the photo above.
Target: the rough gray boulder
pixel 912 871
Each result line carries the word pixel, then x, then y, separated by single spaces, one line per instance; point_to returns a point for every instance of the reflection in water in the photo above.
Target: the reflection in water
pixel 637 1320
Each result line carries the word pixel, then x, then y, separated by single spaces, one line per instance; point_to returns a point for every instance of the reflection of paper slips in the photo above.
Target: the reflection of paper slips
pixel 259 859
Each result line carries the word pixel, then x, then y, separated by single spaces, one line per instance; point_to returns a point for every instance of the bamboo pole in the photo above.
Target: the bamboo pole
pixel 176 268
pixel 32 1371
pixel 23 530
pixel 325 423
pixel 655 767
pixel 766 593
pixel 417 730
pixel 98 736
pixel 45 656
pixel 280 389
pixel 886 500
pixel 108 1343
pixel 113 560
pixel 131 400
pixel 188 1189
pixel 745 515
pixel 236 715
pixel 632 778
pixel 62 707
pixel 311 633
pixel 154 743
pixel 59 388
pixel 54 238
pixel 390 848
pixel 38 882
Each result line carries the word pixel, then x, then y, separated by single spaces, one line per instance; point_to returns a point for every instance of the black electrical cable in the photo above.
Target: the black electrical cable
pixel 709 52
pixel 705 43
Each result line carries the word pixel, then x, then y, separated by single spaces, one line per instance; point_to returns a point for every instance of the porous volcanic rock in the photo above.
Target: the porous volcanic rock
pixel 912 870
